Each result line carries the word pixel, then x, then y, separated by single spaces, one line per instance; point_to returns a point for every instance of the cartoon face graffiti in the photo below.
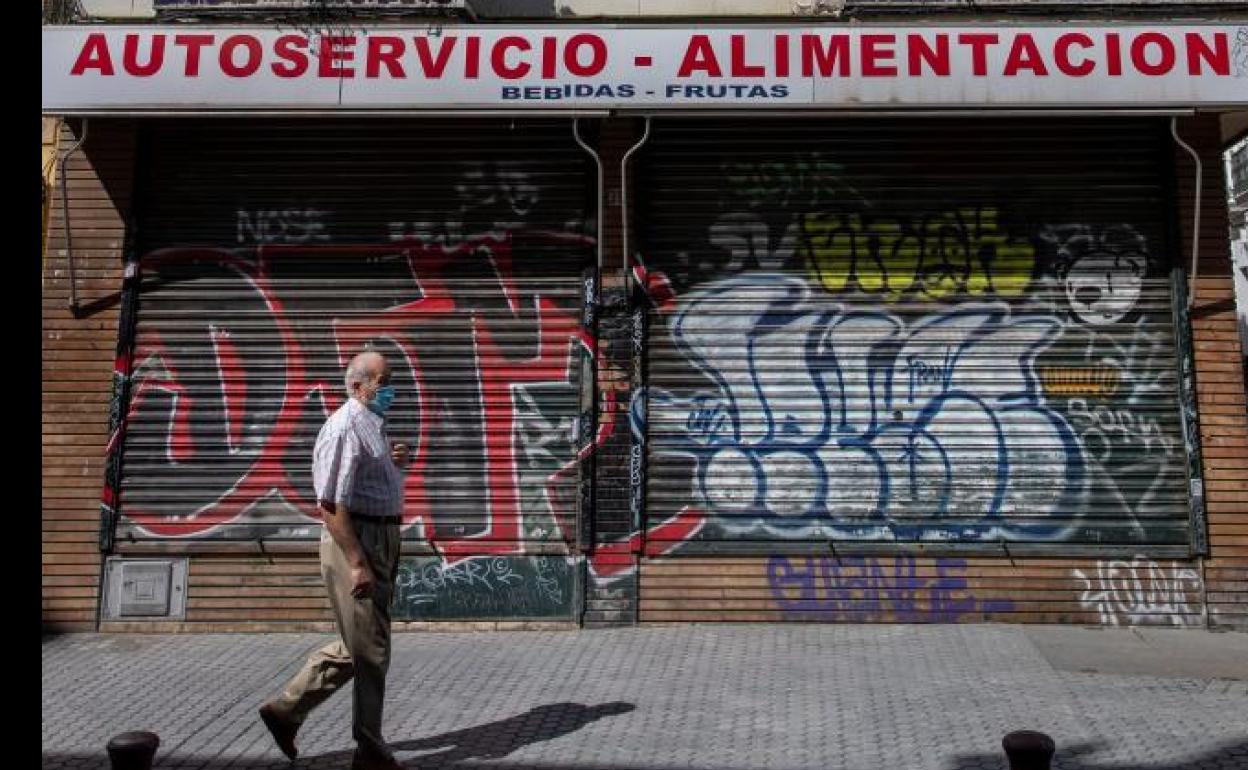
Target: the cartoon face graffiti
pixel 1103 268
pixel 1102 288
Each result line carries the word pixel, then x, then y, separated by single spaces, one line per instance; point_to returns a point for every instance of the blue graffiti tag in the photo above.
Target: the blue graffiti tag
pixel 852 423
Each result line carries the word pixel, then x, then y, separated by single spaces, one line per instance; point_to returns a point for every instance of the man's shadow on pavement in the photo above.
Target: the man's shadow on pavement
pixel 494 740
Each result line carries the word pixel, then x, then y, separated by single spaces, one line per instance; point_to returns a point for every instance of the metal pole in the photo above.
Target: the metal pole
pixel 1191 278
pixel 69 238
pixel 624 194
pixel 576 133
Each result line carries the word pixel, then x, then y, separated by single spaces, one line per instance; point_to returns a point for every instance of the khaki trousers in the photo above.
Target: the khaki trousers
pixel 363 652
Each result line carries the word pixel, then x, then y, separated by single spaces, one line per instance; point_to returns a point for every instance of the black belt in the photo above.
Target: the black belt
pixel 375 519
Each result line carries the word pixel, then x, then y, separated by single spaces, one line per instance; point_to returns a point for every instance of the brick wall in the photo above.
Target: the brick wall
pixel 1220 391
pixel 78 353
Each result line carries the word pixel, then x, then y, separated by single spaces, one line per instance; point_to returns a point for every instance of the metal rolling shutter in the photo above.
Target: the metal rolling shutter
pixel 272 251
pixel 890 332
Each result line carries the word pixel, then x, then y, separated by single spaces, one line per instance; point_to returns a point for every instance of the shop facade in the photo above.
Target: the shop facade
pixel 786 323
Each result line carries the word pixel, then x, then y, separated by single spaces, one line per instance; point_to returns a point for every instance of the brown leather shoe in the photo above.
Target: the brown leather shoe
pixel 362 762
pixel 283 732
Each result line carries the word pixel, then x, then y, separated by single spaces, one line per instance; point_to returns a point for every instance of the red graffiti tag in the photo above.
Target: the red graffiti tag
pixel 273 462
pixel 155 370
pixel 559 335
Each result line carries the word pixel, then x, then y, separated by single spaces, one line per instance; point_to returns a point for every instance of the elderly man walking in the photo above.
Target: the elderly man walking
pixel 359 492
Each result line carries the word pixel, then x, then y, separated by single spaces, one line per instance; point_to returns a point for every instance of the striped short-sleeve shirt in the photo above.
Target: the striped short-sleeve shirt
pixel 351 465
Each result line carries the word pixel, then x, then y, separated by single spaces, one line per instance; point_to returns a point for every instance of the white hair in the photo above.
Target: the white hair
pixel 357 371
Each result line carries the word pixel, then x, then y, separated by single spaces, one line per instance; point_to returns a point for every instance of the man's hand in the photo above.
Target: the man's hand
pixel 361 581
pixel 398 453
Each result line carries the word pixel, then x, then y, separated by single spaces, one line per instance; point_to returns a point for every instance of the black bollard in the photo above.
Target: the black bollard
pixel 1028 750
pixel 133 751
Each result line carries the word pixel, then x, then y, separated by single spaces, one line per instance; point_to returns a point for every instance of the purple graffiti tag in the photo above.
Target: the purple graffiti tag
pixel 866 589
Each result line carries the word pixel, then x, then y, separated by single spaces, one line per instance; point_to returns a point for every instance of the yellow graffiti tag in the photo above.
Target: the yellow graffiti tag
pixel 962 252
pixel 1079 381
